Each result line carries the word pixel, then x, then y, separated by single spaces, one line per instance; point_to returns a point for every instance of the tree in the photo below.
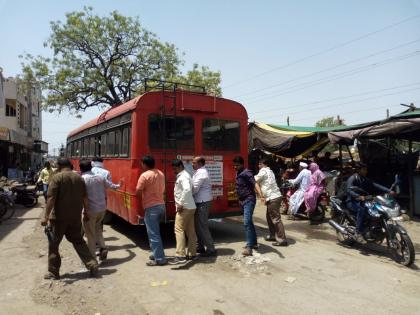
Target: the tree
pixel 103 61
pixel 330 122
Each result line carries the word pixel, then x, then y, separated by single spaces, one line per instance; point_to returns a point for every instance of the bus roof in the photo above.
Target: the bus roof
pixel 107 115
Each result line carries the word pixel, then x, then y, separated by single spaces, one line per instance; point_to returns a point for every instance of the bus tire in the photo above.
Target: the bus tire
pixel 108 217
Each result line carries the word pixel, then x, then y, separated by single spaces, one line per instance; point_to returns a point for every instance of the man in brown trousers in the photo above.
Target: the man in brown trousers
pixel 66 199
pixel 269 193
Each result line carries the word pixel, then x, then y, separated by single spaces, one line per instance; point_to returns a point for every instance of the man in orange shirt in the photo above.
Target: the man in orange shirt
pixel 151 187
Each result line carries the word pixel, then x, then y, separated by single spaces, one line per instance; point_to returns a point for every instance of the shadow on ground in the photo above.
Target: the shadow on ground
pixel 70 278
pixel 18 218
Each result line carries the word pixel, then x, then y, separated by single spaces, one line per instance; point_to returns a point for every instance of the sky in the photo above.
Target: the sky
pixel 299 59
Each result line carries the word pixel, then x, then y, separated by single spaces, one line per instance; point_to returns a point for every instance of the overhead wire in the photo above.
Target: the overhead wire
pixel 332 48
pixel 337 98
pixel 346 103
pixel 302 86
pixel 351 112
pixel 329 68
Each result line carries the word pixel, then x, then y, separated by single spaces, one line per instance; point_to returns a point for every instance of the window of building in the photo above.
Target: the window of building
pixel 171 132
pixel 221 135
pixel 10 110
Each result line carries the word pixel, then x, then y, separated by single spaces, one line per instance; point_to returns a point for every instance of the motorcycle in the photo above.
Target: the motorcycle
pixel 25 195
pixel 382 222
pixel 287 189
pixel 6 204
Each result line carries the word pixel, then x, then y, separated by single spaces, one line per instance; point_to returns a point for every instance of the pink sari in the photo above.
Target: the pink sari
pixel 316 187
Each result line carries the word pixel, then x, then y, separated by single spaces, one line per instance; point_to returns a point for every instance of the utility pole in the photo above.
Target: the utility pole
pixel 387 113
pixel 288 121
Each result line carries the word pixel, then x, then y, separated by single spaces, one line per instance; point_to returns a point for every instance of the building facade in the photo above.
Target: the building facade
pixel 21 145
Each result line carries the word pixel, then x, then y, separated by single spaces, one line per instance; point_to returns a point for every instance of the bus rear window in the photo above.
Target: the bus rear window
pixel 221 135
pixel 171 132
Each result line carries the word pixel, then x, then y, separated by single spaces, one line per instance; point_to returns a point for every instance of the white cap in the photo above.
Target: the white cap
pixel 303 164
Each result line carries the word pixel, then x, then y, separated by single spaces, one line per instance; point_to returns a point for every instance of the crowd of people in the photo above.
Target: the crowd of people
pixel 76 201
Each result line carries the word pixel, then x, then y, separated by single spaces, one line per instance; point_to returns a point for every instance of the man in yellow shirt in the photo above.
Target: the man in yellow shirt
pixel 45 177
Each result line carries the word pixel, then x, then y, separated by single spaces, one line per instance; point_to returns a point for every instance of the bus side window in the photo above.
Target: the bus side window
pixel 86 147
pixel 78 148
pixel 110 143
pixel 103 144
pixel 92 146
pixel 125 142
pixel 117 148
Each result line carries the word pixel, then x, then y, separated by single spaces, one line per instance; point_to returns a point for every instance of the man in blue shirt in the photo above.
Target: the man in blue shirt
pixel 245 188
pixel 355 198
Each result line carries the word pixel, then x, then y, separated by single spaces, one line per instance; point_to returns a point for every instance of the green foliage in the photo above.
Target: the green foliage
pixel 330 122
pixel 103 61
pixel 203 76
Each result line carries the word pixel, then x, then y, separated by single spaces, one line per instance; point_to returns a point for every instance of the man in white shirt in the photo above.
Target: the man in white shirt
pixel 202 197
pixel 304 181
pixel 184 219
pixel 269 193
pixel 99 169
pixel 96 193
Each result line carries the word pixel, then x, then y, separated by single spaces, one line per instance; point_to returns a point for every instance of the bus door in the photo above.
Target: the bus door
pixel 169 137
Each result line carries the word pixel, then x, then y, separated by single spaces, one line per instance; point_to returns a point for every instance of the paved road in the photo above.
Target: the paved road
pixel 313 275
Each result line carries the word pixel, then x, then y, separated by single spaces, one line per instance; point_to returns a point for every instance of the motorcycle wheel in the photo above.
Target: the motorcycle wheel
pixel 318 215
pixel 404 254
pixel 30 202
pixel 10 211
pixel 3 209
pixel 345 239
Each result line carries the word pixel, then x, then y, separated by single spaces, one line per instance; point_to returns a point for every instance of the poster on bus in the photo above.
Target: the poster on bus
pixel 214 165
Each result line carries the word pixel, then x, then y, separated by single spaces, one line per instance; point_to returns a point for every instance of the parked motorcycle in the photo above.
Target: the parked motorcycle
pixel 381 223
pixel 287 189
pixel 25 195
pixel 6 204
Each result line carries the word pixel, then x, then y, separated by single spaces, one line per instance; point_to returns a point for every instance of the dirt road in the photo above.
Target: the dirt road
pixel 313 275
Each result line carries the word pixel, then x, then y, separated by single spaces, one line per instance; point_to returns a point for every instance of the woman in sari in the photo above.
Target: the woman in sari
pixel 316 187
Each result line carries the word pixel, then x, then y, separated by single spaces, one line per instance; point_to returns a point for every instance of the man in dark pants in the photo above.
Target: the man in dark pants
pixel 202 197
pixel 245 188
pixel 66 199
pixel 270 195
pixel 355 199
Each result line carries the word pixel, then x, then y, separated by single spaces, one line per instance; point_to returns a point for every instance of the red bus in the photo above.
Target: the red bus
pixel 175 121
